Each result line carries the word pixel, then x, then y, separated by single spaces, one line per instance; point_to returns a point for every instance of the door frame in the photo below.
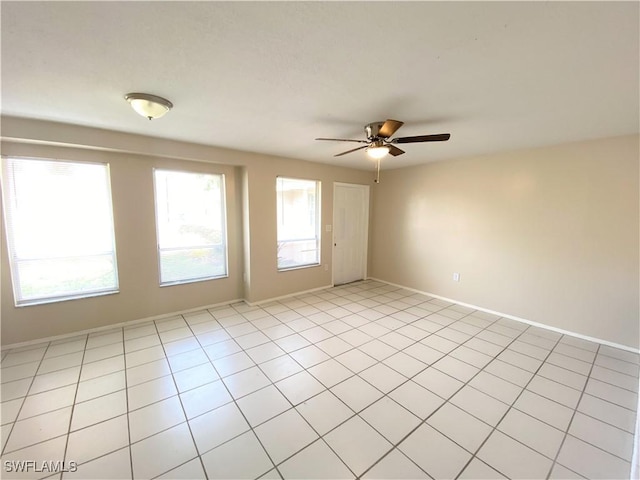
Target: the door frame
pixel 365 258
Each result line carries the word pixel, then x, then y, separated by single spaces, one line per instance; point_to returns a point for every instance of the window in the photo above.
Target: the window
pixel 59 225
pixel 298 222
pixel 191 223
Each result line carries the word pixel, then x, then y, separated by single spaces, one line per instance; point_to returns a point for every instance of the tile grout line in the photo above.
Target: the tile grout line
pixel 478 332
pixel 13 424
pixel 283 323
pixel 357 414
pixel 234 401
pixel 97 423
pixel 331 357
pixel 611 403
pixel 430 333
pixel 573 414
pixel 493 322
pixel 338 318
pixel 450 325
pixel 326 389
pixel 510 406
pixel 126 397
pixel 424 421
pixel 353 328
pixel 273 384
pixel 363 282
pixel 306 369
pixel 574 411
pixel 73 405
pixel 184 412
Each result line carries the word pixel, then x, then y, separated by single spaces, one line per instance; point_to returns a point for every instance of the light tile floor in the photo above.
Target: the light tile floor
pixel 359 381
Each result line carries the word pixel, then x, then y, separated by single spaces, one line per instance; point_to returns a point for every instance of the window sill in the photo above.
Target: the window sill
pixel 299 267
pixel 45 301
pixel 194 280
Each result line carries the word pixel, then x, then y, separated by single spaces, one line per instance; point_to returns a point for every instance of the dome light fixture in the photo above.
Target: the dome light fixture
pixel 378 150
pixel 147 105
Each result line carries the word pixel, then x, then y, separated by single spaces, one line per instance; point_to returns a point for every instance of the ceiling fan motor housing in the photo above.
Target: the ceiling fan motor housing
pixel 373 129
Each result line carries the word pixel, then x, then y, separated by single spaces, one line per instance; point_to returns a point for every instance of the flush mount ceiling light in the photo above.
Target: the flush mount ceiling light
pixel 150 106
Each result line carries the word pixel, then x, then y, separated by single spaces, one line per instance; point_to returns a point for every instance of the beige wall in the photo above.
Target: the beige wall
pixel 549 235
pixel 266 281
pixel 251 204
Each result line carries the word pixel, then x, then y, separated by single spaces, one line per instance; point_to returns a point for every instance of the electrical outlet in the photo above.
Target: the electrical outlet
pixel 326 267
pixel 456 277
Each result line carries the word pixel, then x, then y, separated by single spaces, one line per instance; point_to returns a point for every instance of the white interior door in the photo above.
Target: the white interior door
pixel 350 232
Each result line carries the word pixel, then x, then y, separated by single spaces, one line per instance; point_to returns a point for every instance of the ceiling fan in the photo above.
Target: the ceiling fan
pixel 378 144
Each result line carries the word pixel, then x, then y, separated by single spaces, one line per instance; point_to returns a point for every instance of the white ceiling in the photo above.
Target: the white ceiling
pixel 269 77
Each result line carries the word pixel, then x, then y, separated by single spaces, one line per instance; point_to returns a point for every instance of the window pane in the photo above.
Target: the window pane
pixel 190 217
pixel 60 277
pixel 59 229
pixel 177 265
pixel 298 203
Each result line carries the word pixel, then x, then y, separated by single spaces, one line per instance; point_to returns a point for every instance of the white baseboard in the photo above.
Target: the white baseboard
pixel 517 319
pixel 268 300
pixel 289 295
pixel 155 317
pixel 116 325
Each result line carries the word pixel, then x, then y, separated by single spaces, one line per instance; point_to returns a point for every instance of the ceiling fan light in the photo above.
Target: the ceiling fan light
pixel 149 106
pixel 378 152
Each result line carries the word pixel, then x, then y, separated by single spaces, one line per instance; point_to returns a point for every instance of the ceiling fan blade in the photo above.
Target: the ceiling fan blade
pixel 389 128
pixel 441 137
pixel 343 140
pixel 349 151
pixel 395 151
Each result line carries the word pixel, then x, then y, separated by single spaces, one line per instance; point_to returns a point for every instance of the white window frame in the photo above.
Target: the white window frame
pixel 318 240
pixel 9 197
pixel 225 244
